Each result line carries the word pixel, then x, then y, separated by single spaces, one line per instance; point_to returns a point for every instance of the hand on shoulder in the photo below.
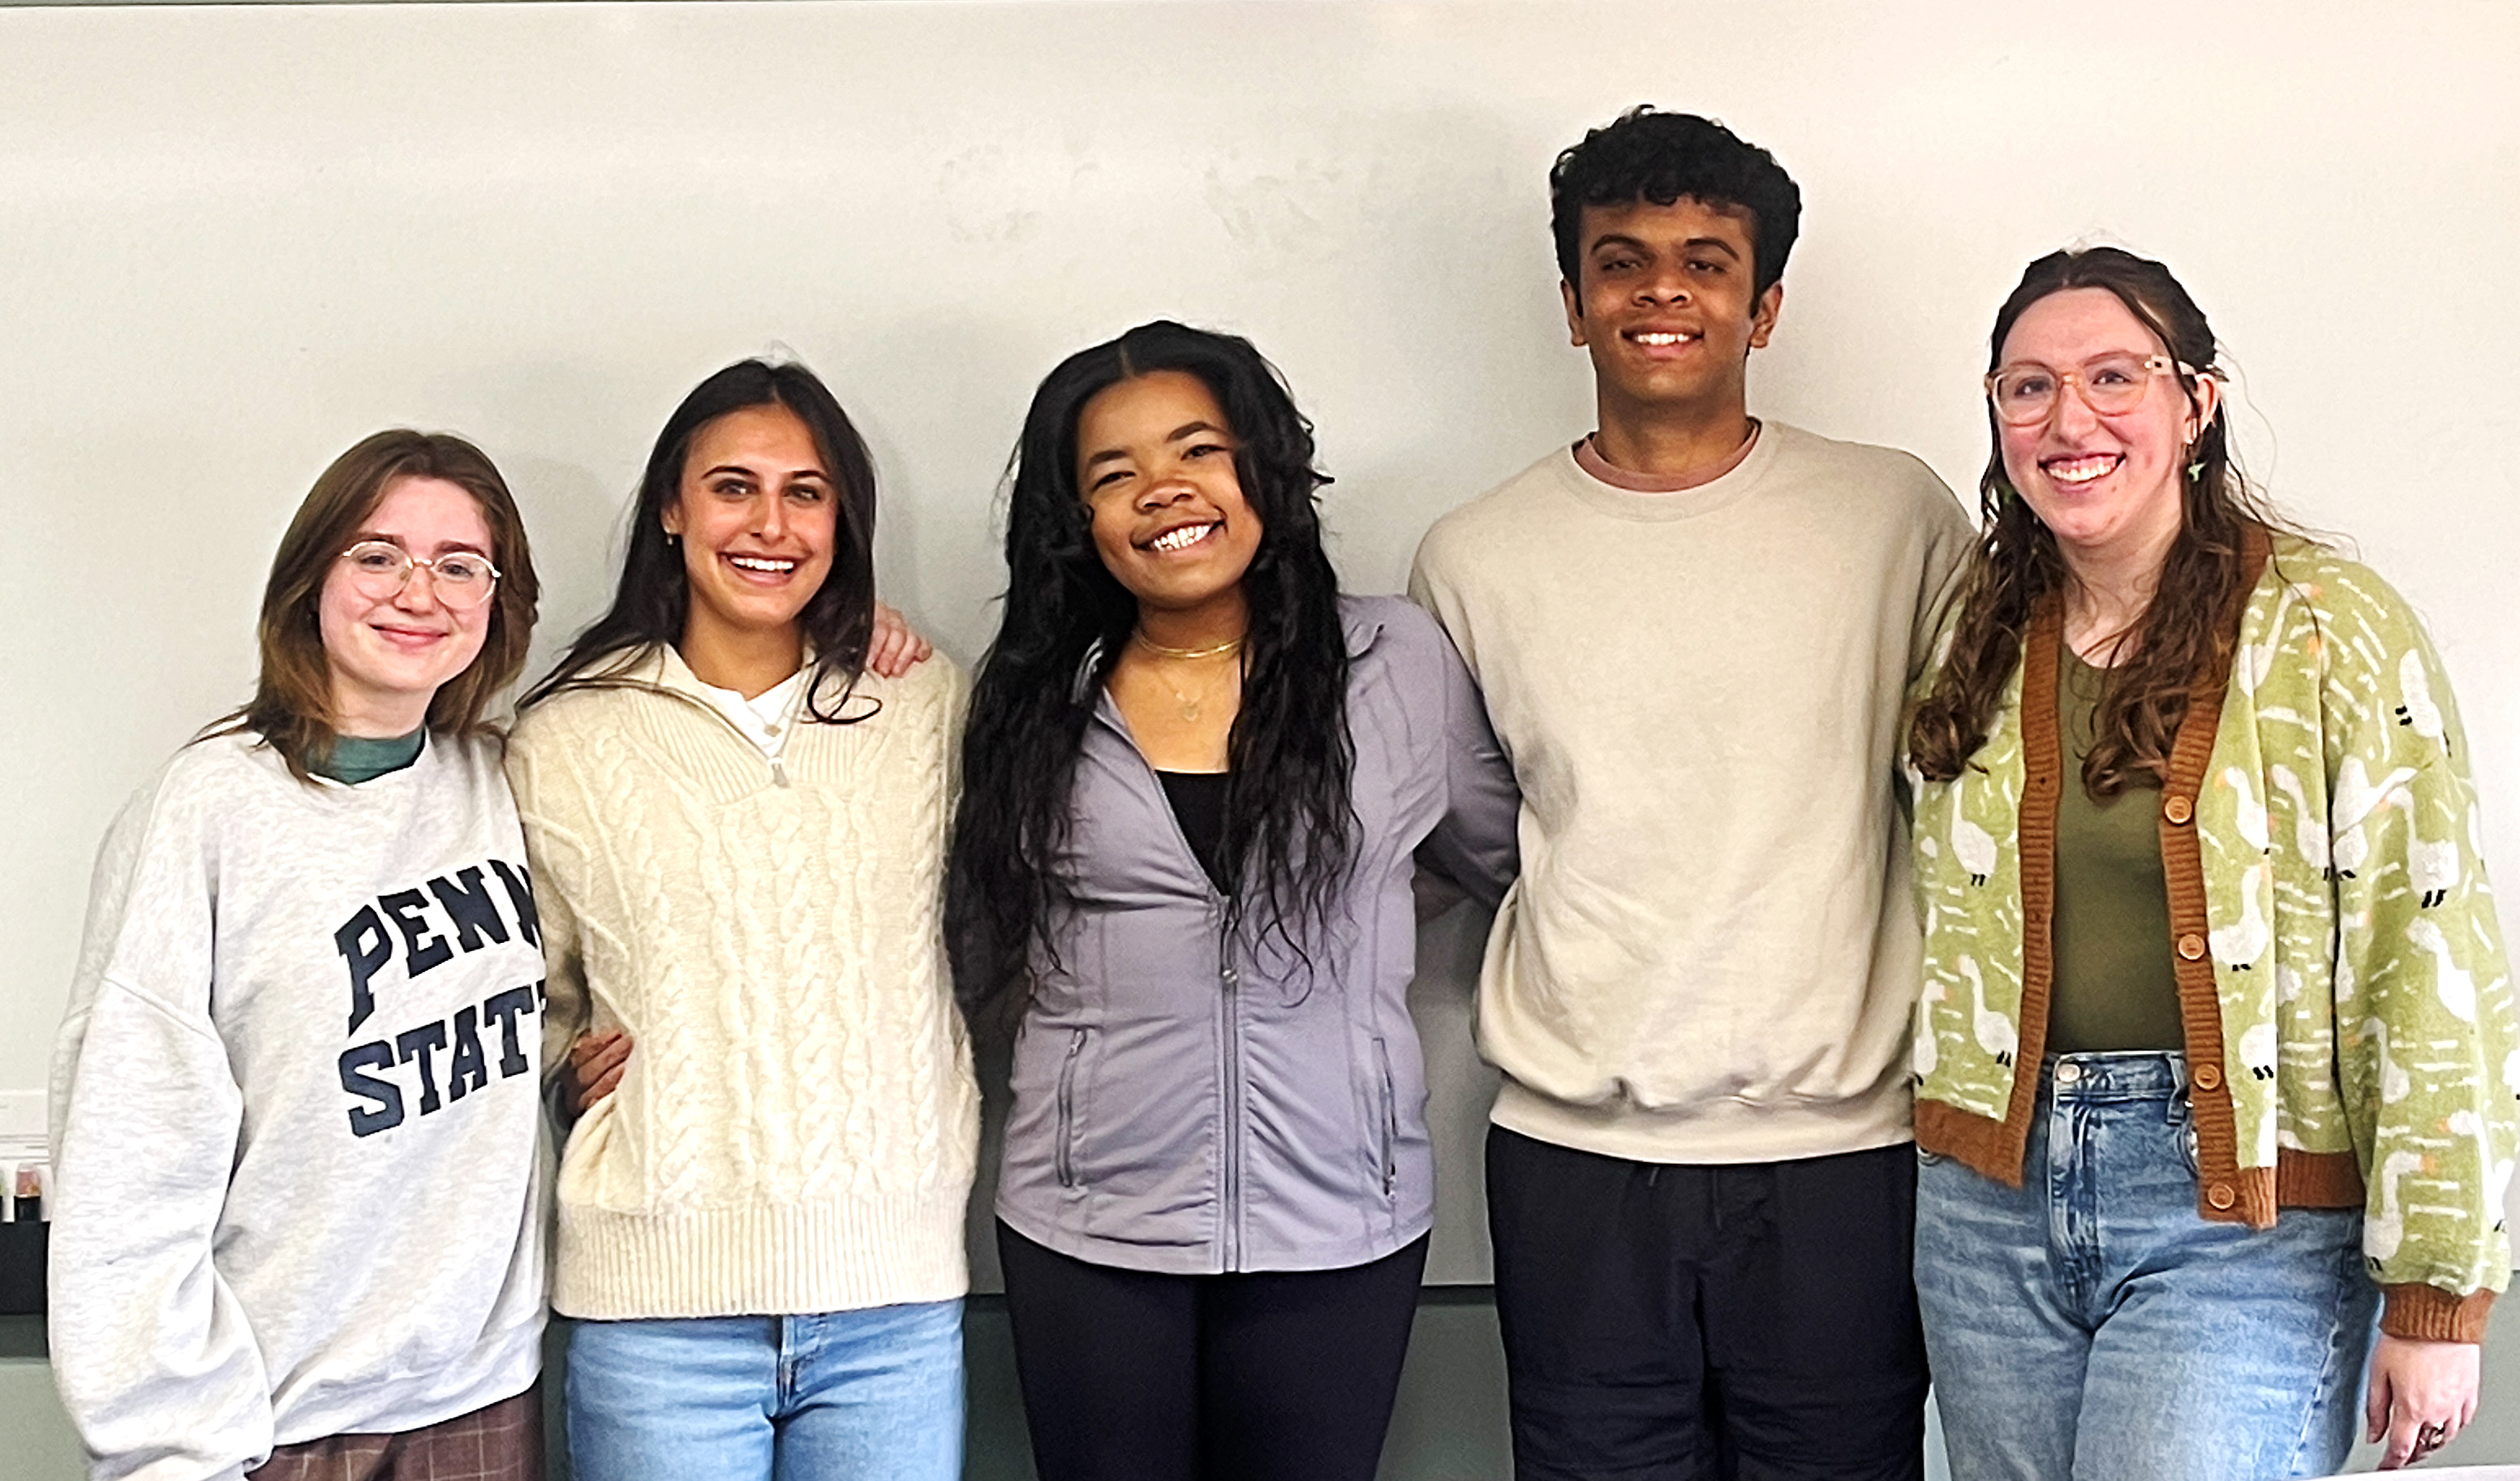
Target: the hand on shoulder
pixel 895 647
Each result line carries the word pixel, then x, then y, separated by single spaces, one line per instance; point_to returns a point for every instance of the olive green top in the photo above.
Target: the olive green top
pixel 2114 987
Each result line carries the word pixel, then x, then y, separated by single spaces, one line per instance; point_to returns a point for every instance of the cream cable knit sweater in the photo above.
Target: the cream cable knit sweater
pixel 795 1130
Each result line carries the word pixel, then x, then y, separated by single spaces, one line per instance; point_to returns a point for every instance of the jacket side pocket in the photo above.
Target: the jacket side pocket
pixel 1389 1128
pixel 1067 1128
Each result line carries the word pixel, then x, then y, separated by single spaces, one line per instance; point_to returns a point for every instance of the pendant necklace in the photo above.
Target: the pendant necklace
pixel 1189 705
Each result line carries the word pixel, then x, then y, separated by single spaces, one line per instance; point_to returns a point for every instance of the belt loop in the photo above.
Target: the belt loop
pixel 2179 1111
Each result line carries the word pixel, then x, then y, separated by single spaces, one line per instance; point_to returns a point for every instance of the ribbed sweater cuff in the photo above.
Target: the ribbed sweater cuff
pixel 761 1260
pixel 2429 1313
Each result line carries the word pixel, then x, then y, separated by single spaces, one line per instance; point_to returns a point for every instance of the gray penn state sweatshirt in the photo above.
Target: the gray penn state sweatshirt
pixel 299 1155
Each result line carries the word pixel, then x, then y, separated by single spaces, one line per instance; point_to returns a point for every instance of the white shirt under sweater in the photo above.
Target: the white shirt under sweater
pixel 300 1168
pixel 797 1124
pixel 1711 954
pixel 765 718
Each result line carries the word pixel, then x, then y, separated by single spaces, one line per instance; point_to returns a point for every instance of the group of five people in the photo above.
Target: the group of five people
pixel 2205 1040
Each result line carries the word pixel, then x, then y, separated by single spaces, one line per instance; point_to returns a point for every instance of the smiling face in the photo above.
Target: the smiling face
pixel 1154 464
pixel 1666 308
pixel 2105 485
pixel 388 654
pixel 757 516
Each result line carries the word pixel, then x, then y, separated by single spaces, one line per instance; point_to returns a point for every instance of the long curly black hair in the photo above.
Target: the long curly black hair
pixel 1288 836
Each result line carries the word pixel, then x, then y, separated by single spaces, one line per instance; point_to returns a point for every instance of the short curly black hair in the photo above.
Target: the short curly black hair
pixel 1649 156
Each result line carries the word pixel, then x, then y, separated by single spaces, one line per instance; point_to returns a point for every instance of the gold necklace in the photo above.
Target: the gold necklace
pixel 1140 639
pixel 1187 704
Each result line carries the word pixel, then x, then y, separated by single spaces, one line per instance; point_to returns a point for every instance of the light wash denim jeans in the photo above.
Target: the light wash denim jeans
pixel 872 1395
pixel 2090 1326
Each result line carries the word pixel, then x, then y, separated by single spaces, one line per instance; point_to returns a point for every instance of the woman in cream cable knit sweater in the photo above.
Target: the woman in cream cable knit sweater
pixel 738 835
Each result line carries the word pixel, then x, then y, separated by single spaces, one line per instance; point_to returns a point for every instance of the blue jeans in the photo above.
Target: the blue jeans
pixel 2089 1325
pixel 872 1395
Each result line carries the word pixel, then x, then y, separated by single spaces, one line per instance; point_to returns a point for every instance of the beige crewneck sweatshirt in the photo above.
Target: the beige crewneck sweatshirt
pixel 795 1130
pixel 1711 954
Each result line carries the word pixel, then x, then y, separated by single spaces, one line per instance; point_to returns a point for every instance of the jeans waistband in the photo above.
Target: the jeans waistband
pixel 2117 1075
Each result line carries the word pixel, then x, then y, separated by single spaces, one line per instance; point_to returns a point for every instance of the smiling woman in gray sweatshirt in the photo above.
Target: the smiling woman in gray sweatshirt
pixel 294 1101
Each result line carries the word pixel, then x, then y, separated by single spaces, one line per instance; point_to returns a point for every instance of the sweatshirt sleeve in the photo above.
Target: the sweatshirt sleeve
pixel 1430 586
pixel 2424 989
pixel 551 849
pixel 1475 843
pixel 1949 541
pixel 157 1365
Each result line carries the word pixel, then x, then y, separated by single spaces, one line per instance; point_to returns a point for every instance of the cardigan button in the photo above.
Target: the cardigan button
pixel 2209 1077
pixel 2221 1195
pixel 2191 946
pixel 2177 809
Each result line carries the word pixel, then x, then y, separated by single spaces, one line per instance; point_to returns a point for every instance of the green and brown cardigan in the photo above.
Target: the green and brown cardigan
pixel 2348 1008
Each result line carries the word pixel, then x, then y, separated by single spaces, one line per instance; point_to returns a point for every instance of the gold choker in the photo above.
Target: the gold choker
pixel 1152 646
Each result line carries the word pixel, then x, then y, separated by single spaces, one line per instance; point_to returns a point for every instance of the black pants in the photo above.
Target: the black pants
pixel 1752 1321
pixel 1266 1377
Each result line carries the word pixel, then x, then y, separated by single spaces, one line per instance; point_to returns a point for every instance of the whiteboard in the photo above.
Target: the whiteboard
pixel 233 239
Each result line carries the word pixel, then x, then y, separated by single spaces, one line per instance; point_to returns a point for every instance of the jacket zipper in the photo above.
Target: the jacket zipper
pixel 1231 1221
pixel 1067 1159
pixel 1389 1128
pixel 1229 1037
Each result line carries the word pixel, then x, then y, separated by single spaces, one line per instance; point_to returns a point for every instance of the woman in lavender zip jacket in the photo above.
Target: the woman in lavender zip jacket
pixel 1196 780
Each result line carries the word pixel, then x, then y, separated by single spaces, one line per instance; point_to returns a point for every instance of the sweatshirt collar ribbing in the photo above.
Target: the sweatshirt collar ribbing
pixel 1688 503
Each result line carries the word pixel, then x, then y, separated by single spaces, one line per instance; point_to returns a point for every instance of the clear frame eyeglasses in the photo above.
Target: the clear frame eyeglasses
pixel 462 580
pixel 2025 395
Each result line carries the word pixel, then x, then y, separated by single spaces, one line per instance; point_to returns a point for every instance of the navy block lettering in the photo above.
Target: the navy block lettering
pixel 519 885
pixel 416 1044
pixel 466 1070
pixel 467 898
pixel 365 946
pixel 504 1009
pixel 422 948
pixel 386 1113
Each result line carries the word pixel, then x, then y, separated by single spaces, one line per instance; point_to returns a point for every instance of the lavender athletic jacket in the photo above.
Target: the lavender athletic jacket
pixel 1190 1106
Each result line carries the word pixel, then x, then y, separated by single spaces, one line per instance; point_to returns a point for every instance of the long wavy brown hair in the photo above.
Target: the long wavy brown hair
pixel 2186 632
pixel 291 708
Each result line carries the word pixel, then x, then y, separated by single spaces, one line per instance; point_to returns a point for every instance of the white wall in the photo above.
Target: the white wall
pixel 234 240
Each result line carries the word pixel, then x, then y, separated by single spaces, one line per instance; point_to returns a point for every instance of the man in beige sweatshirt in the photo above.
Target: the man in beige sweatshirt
pixel 1692 630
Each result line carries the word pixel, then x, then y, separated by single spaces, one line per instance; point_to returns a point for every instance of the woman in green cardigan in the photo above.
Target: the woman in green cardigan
pixel 2216 1053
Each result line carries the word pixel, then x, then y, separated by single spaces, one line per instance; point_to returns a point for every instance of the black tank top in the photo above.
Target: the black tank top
pixel 1198 803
